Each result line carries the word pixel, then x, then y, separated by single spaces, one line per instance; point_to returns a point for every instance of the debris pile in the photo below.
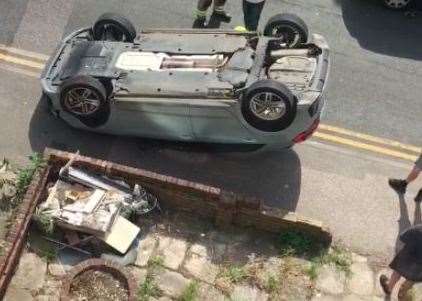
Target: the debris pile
pixel 94 206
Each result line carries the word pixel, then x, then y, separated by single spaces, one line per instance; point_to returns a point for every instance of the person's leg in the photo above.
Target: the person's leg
pixel 252 14
pixel 413 174
pixel 201 13
pixel 418 197
pixel 203 5
pixel 245 7
pixel 395 277
pixel 220 12
pixel 218 3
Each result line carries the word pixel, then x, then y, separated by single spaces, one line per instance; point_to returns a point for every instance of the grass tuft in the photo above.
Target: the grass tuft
pixel 44 221
pixel 190 293
pixel 156 262
pixel 48 255
pixel 149 289
pixel 271 284
pixel 340 258
pixel 235 274
pixel 312 271
pixel 25 175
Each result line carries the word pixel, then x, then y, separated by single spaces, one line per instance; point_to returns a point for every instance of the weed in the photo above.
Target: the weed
pixel 25 175
pixel 156 262
pixel 271 284
pixel 295 243
pixel 190 293
pixel 235 274
pixel 148 289
pixel 338 257
pixel 312 271
pixel 48 255
pixel 44 221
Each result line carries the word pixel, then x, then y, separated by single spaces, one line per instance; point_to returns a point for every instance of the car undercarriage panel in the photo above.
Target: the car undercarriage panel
pixel 296 72
pixel 173 83
pixel 191 43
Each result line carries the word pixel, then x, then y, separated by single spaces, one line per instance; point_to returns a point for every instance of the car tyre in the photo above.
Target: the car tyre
pixel 397 4
pixel 113 27
pixel 269 106
pixel 292 29
pixel 85 98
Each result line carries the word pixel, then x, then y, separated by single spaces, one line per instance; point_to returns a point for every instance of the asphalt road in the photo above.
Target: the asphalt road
pixel 374 88
pixel 375 80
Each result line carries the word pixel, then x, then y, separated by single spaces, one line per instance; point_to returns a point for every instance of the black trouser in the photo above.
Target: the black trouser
pixel 251 14
pixel 205 4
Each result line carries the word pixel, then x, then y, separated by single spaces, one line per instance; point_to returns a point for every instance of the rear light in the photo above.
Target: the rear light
pixel 308 133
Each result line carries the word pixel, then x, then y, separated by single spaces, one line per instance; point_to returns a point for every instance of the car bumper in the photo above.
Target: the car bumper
pixel 54 64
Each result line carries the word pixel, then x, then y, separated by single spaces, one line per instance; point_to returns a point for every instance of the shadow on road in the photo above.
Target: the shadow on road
pixel 47 131
pixel 381 30
pixel 274 176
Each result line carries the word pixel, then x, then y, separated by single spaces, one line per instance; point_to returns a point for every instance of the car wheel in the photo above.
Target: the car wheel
pixel 85 98
pixel 269 106
pixel 290 28
pixel 113 27
pixel 397 4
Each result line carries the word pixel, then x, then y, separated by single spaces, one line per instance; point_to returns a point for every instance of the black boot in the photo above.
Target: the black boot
pixel 418 197
pixel 398 185
pixel 222 15
pixel 200 22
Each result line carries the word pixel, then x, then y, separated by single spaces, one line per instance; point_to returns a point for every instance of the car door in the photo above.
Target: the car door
pixel 215 120
pixel 153 117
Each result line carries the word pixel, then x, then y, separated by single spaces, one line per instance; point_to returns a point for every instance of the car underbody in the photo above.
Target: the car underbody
pixel 167 73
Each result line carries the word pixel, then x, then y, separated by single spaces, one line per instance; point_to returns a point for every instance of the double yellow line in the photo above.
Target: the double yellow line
pixel 368 143
pixel 22 61
pixel 30 63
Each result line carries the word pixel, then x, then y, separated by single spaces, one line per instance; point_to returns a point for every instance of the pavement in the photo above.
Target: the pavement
pixel 371 127
pixel 177 254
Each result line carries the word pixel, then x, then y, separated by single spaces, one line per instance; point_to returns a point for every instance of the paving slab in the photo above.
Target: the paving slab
pixel 171 283
pixel 248 293
pixel 361 281
pixel 330 280
pixel 31 273
pixel 201 267
pixel 146 248
pixel 18 294
pixel 139 274
pixel 208 292
pixel 173 251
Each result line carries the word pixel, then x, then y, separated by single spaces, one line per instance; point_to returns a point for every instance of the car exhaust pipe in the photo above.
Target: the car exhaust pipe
pixel 289 52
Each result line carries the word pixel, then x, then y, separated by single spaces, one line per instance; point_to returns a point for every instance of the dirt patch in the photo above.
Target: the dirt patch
pixel 98 285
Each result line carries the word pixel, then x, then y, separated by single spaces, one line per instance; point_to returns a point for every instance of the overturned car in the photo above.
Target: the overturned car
pixel 191 85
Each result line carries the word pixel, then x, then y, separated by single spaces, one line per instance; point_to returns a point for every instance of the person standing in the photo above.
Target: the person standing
pixel 407 263
pixel 252 10
pixel 218 11
pixel 400 185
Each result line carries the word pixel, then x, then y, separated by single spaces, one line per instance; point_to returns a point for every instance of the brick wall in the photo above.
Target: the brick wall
pixel 224 207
